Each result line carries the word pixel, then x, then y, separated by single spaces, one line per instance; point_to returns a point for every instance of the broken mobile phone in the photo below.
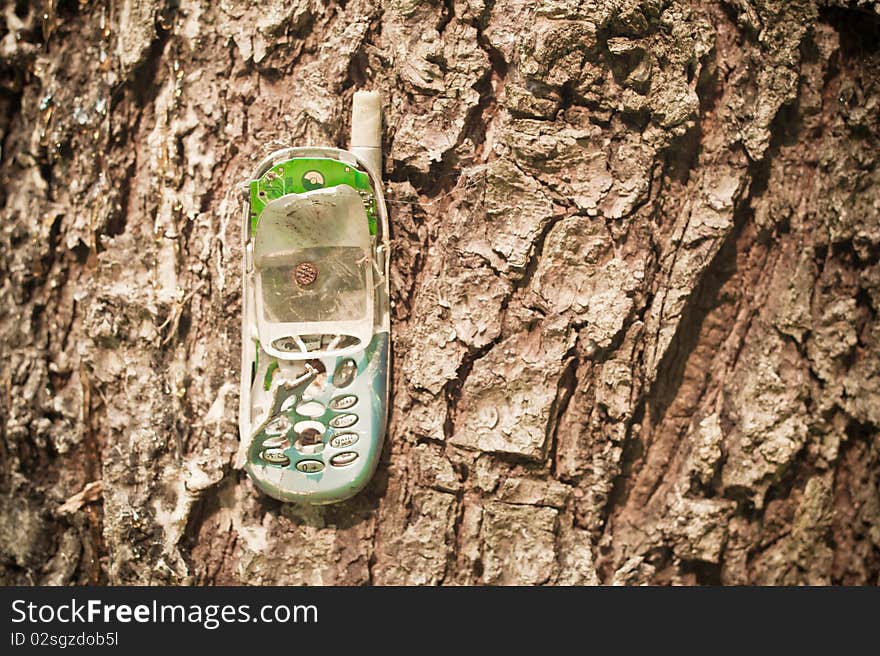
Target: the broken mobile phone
pixel 315 317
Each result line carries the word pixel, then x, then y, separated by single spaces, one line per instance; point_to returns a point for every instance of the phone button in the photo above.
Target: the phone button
pixel 310 466
pixel 343 402
pixel 309 449
pixel 275 457
pixel 343 459
pixel 277 442
pixel 345 373
pixel 344 440
pixel 301 426
pixel 344 421
pixel 311 409
pixel 278 426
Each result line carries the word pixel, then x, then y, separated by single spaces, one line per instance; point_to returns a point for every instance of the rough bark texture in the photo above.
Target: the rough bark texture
pixel 636 286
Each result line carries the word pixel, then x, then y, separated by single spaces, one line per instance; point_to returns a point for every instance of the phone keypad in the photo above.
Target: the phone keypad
pixel 309 431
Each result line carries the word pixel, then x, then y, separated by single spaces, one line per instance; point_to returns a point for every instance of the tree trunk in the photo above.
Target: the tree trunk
pixel 635 279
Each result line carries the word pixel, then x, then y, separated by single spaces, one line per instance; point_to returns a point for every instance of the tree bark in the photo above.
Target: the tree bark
pixel 635 279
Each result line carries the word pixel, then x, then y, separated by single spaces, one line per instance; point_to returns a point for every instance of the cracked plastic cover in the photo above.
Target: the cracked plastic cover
pixel 324 233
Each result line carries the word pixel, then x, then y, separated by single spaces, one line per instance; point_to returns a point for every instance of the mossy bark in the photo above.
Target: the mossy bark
pixel 636 279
